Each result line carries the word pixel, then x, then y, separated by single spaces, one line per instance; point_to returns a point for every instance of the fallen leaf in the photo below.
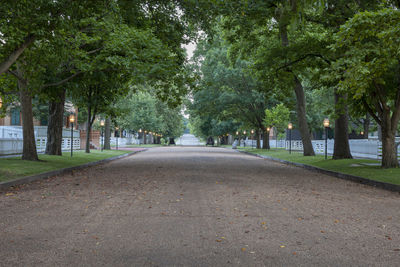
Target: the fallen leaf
pixel 294 253
pixel 283 246
pixel 246 215
pixel 300 219
pixel 322 231
pixel 9 194
pixel 218 240
pixel 263 223
pixel 243 249
pixel 336 221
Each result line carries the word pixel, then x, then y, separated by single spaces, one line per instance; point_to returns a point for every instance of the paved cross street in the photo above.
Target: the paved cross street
pixel 198 206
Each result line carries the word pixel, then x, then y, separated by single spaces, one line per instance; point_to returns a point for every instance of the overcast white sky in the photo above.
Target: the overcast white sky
pixel 189 49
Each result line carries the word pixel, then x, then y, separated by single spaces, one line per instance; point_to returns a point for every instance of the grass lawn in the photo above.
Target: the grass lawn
pixel 357 167
pixel 11 168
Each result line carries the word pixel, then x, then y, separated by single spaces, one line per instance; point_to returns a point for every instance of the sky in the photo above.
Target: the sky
pixel 189 49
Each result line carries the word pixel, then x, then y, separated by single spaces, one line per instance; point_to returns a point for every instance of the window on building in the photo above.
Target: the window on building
pixel 15 116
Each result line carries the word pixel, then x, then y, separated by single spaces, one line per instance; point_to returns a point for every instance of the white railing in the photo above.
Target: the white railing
pixel 65 143
pixel 11 139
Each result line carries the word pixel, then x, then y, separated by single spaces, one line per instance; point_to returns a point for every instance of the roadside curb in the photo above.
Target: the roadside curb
pixel 349 177
pixel 46 175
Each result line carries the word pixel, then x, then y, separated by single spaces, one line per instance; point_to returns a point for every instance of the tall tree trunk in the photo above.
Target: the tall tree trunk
pixel 29 145
pixel 107 133
pixel 55 125
pixel 308 149
pixel 172 141
pixel 258 139
pixel 341 146
pixel 367 122
pixel 144 138
pixel 266 140
pixel 88 129
pixel 389 150
pixel 298 88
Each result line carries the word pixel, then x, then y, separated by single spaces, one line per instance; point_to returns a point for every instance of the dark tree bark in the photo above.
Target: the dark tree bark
pixel 107 133
pixel 341 145
pixel 367 122
pixel 90 120
pixel 12 58
pixel 88 129
pixel 29 145
pixel 28 132
pixel 388 118
pixel 172 141
pixel 258 139
pixel 144 138
pixel 389 150
pixel 55 125
pixel 308 149
pixel 266 140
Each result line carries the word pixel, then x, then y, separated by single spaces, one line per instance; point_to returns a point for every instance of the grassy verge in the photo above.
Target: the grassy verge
pixel 359 167
pixel 11 168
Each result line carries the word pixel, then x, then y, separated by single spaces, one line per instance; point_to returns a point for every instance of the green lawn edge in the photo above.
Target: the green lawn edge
pixel 14 168
pixel 356 167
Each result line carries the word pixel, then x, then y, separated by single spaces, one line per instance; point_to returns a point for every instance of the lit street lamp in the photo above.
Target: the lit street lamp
pixel 72 120
pixel 290 127
pixel 269 129
pixel 102 138
pixel 244 138
pixel 326 125
pixel 252 136
pixel 116 128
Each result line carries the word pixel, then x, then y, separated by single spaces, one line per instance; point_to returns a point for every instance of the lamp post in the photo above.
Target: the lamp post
pixel 145 137
pixel 101 135
pixel 252 136
pixel 326 125
pixel 140 131
pixel 244 138
pixel 72 120
pixel 290 127
pixel 117 129
pixel 269 129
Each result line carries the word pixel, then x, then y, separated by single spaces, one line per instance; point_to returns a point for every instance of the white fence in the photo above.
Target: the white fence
pixel 359 148
pixel 11 140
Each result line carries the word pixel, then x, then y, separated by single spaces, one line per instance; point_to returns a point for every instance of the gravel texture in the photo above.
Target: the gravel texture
pixel 187 206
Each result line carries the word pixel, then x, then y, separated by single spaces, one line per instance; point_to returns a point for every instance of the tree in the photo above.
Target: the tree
pixel 277 117
pixel 369 71
pixel 142 111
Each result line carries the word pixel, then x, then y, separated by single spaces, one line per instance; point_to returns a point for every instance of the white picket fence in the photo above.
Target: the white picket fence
pixel 380 151
pixel 11 141
pixel 361 148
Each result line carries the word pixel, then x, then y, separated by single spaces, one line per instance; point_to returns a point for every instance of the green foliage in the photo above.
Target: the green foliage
pixel 277 117
pixel 144 111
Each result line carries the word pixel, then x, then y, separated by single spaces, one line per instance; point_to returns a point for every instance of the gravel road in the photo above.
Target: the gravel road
pixel 188 206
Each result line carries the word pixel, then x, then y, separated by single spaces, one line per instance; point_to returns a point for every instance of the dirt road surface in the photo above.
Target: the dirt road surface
pixel 187 206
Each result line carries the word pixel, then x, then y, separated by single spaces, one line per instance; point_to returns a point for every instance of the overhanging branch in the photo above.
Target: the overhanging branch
pixel 301 59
